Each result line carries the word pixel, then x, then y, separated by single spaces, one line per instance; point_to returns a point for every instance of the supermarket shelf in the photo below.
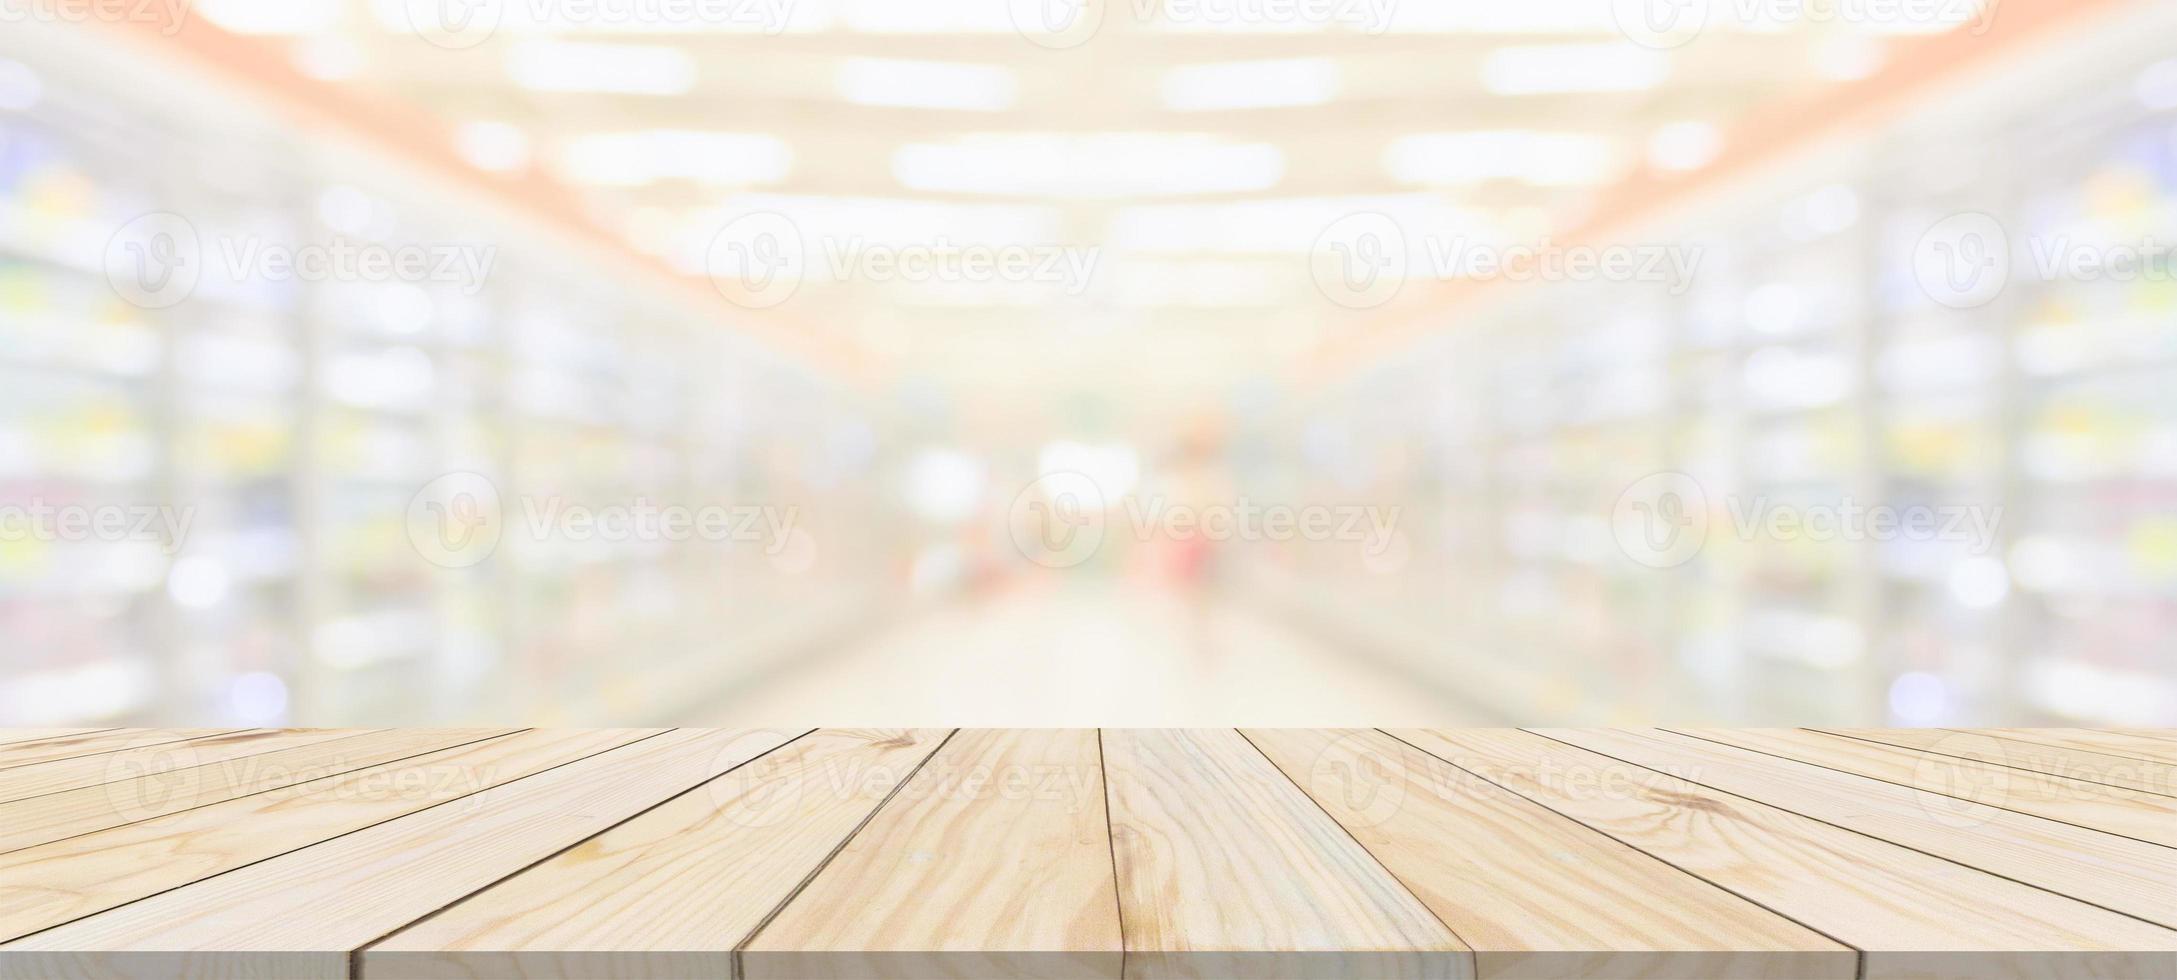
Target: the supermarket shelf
pixel 1805 367
pixel 1783 136
pixel 296 422
pixel 1101 852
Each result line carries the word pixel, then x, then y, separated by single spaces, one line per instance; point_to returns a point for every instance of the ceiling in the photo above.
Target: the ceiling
pixel 1188 152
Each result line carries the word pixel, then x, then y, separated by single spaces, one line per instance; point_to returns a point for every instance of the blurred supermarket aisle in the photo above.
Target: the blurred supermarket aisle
pixel 908 361
pixel 1053 653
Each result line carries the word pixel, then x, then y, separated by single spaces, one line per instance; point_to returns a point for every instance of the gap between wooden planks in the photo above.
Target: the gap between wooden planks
pixel 1079 853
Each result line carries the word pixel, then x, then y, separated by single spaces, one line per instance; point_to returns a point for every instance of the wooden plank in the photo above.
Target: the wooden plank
pixel 2113 809
pixel 95 743
pixel 1910 913
pixel 2131 743
pixel 58 816
pixel 2054 758
pixel 1226 869
pixel 993 862
pixel 24 782
pixel 1536 894
pixel 2113 872
pixel 13 737
pixel 674 892
pixel 44 886
pixel 301 914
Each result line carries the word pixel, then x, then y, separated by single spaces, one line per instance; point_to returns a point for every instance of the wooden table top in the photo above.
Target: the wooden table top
pixel 1087 853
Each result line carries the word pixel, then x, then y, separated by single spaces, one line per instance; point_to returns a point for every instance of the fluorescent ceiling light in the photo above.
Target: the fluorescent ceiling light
pixel 637 158
pixel 1097 166
pixel 1549 68
pixel 574 66
pixel 926 84
pixel 1251 84
pixel 1545 159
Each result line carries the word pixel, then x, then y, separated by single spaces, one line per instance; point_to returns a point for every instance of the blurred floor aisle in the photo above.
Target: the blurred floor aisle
pixel 1088 655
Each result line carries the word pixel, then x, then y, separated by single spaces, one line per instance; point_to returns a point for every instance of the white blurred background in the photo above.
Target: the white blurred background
pixel 1180 362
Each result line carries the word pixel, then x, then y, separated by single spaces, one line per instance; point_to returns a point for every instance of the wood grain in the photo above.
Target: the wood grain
pixel 1226 869
pixel 675 891
pixel 58 816
pixel 13 737
pixel 44 886
pixel 24 782
pixel 2113 809
pixel 85 744
pixel 2055 758
pixel 2130 743
pixel 2114 872
pixel 1536 894
pixel 1051 853
pixel 301 914
pixel 993 862
pixel 1910 913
